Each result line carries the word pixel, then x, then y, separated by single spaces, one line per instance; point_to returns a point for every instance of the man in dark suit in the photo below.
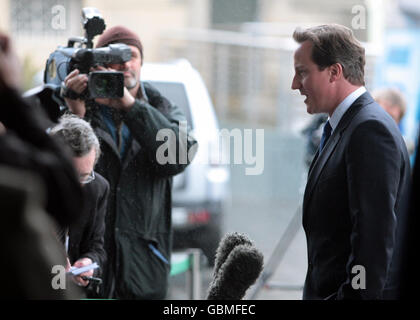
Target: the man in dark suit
pixel 359 180
pixel 84 239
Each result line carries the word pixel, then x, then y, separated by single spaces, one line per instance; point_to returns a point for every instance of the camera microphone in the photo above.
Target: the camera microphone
pixel 238 265
pixel 93 23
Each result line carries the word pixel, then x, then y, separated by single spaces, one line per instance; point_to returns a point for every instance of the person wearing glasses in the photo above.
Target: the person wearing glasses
pixel 84 240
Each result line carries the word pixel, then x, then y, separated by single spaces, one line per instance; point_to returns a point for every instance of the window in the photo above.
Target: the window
pixel 41 17
pixel 176 93
pixel 226 12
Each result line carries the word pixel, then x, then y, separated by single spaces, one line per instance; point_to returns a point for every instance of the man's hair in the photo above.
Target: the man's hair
pixel 393 96
pixel 334 43
pixel 77 134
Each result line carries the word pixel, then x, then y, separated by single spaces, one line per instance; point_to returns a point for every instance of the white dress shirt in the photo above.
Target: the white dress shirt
pixel 343 106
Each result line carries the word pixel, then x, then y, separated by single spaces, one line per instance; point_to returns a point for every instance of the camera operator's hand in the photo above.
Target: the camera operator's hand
pixel 10 68
pixel 125 103
pixel 77 82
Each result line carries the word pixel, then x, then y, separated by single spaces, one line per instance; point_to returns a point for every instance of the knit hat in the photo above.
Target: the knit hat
pixel 120 34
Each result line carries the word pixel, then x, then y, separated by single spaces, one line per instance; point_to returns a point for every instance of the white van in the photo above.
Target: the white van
pixel 200 191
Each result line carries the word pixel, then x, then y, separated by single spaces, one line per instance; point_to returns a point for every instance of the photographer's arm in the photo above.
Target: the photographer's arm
pixel 151 123
pixel 78 83
pixel 125 103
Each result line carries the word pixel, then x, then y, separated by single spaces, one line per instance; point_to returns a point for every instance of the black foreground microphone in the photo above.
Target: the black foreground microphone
pixel 226 245
pixel 238 265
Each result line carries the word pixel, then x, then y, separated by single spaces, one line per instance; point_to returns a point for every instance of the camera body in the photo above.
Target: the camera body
pixel 101 84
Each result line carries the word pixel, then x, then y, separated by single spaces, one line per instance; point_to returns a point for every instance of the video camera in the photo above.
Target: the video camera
pixel 101 84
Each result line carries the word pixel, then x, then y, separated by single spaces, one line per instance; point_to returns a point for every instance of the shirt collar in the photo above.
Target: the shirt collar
pixel 344 105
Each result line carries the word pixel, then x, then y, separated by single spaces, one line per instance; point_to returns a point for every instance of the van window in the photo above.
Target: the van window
pixel 176 93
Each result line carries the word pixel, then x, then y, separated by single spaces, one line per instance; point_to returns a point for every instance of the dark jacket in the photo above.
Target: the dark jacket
pixel 86 235
pixel 355 199
pixel 35 168
pixel 27 146
pixel 410 281
pixel 29 248
pixel 139 207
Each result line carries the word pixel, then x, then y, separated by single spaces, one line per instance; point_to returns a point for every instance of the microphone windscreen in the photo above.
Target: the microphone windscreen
pixel 240 270
pixel 229 241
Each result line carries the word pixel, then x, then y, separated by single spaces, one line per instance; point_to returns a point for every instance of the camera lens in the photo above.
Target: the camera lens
pixel 106 84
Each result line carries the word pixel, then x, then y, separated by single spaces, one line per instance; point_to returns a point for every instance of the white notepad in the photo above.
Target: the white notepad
pixel 76 271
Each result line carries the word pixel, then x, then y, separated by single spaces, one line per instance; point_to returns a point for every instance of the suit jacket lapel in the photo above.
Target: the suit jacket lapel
pixel 313 162
pixel 319 164
pixel 321 159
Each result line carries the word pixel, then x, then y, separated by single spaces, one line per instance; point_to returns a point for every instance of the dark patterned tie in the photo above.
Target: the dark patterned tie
pixel 325 135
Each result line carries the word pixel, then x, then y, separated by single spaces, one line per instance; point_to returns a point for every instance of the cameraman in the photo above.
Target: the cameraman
pixel 138 236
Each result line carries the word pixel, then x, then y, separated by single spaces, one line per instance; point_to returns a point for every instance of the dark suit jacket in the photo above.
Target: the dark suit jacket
pixel 86 236
pixel 410 281
pixel 355 196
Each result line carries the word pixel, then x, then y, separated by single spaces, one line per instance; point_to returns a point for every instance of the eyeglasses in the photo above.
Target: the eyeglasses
pixel 88 179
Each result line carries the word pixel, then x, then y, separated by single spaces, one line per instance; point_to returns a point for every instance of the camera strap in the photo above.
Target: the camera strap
pixel 68 93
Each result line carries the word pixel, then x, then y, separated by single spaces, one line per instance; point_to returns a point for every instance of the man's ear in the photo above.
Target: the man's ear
pixel 336 71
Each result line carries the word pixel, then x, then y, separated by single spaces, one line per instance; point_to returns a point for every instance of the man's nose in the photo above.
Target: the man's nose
pixel 127 64
pixel 295 83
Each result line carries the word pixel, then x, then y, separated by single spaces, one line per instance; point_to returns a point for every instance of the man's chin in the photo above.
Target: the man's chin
pixel 309 109
pixel 130 83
